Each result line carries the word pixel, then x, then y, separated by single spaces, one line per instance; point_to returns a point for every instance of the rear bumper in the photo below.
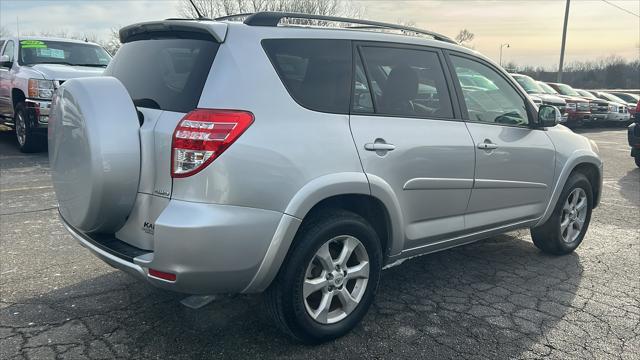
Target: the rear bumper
pixel 210 248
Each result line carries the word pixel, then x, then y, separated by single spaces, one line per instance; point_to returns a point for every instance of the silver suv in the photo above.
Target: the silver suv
pixel 239 157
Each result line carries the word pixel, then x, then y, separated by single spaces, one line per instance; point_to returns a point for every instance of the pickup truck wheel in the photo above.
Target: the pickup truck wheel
pixel 564 230
pixel 329 279
pixel 27 141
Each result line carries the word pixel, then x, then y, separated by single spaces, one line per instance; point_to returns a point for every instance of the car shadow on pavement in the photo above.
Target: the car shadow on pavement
pixel 630 185
pixel 499 298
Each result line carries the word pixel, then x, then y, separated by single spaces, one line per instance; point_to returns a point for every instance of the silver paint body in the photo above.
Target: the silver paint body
pixel 228 228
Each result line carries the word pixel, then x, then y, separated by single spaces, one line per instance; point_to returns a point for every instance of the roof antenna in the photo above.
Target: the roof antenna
pixel 200 17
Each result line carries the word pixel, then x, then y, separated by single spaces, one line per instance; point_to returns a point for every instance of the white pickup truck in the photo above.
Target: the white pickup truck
pixel 31 69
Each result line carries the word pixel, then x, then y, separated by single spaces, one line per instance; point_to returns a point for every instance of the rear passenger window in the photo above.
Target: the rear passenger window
pixel 407 82
pixel 316 72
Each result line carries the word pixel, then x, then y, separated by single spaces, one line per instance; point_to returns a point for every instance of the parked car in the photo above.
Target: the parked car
pixel 630 99
pixel 578 109
pixel 31 69
pixel 621 115
pixel 633 135
pixel 600 108
pixel 536 91
pixel 303 160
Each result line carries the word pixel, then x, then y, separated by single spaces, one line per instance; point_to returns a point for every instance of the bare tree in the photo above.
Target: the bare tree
pixel 112 43
pixel 216 8
pixel 465 36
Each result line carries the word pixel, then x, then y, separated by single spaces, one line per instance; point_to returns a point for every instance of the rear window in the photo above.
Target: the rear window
pixel 166 74
pixel 316 72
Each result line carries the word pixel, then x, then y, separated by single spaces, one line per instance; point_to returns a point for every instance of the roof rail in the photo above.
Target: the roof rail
pixel 233 17
pixel 272 18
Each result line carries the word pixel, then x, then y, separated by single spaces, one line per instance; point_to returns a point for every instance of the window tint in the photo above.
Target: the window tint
pixel 167 74
pixel 8 50
pixel 491 99
pixel 407 82
pixel 362 102
pixel 316 72
pixel 62 52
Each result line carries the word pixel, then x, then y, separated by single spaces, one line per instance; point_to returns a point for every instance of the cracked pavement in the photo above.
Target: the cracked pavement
pixel 496 299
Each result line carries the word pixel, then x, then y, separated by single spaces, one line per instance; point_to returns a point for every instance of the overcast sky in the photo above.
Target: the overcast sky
pixel 532 28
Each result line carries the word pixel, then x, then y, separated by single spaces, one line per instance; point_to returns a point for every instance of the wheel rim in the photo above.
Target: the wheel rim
pixel 574 214
pixel 336 279
pixel 21 129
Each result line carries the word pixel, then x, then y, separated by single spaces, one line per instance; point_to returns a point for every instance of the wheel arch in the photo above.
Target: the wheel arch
pixel 582 161
pixel 349 191
pixel 17 96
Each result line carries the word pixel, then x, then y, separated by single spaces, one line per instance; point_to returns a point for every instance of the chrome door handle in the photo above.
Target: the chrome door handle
pixel 487 145
pixel 379 147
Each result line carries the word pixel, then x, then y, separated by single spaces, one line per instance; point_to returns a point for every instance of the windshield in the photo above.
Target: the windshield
pixel 586 94
pixel 567 90
pixel 529 85
pixel 547 89
pixel 60 52
pixel 630 98
pixel 612 98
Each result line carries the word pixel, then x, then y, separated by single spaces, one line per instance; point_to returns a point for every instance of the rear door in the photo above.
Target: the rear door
pixel 514 162
pixel 409 136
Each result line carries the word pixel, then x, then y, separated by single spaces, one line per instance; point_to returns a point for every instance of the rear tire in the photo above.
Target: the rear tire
pixel 564 230
pixel 28 141
pixel 292 297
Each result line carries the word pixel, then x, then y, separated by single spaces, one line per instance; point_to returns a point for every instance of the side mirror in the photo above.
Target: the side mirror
pixel 548 116
pixel 5 61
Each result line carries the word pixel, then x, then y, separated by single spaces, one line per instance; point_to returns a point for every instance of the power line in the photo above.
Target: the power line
pixel 621 8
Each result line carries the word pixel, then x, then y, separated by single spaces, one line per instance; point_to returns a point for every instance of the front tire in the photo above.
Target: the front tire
pixel 564 230
pixel 329 278
pixel 28 142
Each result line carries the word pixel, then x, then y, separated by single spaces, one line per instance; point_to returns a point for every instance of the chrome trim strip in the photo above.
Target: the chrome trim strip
pixel 437 184
pixel 507 184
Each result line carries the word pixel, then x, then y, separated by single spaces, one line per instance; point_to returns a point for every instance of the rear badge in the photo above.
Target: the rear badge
pixel 161 192
pixel 148 228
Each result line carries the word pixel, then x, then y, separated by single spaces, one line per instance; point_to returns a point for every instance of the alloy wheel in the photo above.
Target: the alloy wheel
pixel 574 214
pixel 336 279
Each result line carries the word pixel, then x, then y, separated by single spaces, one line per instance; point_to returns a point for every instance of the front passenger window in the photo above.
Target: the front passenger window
pixel 488 96
pixel 8 50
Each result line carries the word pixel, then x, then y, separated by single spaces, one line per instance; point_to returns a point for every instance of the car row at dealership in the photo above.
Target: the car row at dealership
pixel 582 107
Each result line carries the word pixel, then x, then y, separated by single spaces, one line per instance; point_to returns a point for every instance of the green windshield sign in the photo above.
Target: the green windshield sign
pixel 33 44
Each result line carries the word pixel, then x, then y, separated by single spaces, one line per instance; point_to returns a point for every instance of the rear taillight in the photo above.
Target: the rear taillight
pixel 203 135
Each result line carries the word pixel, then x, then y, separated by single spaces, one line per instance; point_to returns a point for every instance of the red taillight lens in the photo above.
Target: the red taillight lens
pixel 202 135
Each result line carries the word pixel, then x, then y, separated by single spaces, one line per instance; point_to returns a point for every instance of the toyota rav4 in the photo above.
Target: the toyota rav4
pixel 239 157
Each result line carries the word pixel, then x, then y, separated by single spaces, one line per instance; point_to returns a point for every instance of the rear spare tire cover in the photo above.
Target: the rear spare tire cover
pixel 94 153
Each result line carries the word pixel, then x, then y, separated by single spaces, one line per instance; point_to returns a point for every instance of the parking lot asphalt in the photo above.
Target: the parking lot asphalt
pixel 496 299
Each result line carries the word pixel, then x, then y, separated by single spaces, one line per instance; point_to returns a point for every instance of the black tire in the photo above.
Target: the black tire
pixel 31 142
pixel 548 236
pixel 637 159
pixel 284 299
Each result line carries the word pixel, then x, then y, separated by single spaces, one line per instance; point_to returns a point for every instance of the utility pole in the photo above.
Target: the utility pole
pixel 501 47
pixel 564 40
